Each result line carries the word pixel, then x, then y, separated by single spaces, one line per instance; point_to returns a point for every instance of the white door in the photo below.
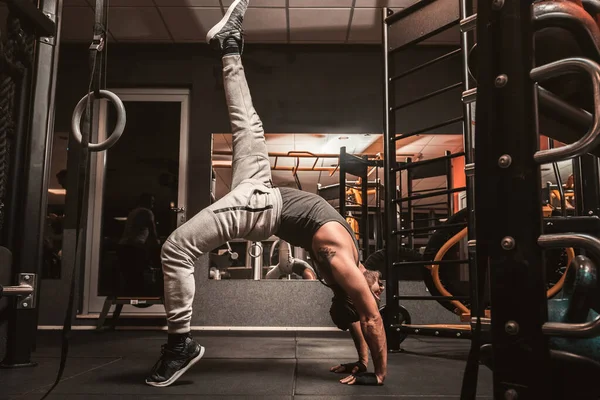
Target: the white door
pixel 148 161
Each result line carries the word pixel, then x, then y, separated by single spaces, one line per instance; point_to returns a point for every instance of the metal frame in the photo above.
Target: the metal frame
pixel 410 214
pixel 28 252
pixel 392 215
pixel 586 173
pixel 93 304
pixel 508 228
pixel 420 21
pixel 467 40
pixel 409 166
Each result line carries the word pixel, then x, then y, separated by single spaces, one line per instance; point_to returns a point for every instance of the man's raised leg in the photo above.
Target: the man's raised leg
pixel 250 156
pixel 201 234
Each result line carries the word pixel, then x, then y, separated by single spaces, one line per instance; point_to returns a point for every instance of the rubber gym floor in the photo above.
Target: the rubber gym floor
pixel 275 366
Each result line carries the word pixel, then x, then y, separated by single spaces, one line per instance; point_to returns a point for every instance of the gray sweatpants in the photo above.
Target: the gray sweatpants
pixel 250 211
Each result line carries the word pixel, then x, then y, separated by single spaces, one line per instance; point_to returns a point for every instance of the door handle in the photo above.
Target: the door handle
pixel 178 209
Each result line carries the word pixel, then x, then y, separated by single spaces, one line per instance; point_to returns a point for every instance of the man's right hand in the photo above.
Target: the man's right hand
pixel 349 368
pixel 363 378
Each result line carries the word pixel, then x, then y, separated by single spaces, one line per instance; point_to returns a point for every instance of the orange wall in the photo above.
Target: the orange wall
pixel 544 143
pixel 458 177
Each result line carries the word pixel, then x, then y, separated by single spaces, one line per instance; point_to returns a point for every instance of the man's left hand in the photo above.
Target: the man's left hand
pixel 362 378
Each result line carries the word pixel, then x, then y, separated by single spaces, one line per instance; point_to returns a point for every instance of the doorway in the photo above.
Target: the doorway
pixel 147 165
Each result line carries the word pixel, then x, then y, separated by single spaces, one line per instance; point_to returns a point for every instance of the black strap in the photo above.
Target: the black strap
pixel 350 366
pixel 366 378
pixel 97 53
pixel 95 84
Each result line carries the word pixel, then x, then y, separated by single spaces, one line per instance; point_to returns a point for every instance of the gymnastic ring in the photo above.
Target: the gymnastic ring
pixel 253 255
pixel 119 126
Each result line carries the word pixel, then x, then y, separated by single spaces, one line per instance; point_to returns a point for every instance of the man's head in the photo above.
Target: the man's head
pixel 374 280
pixel 342 311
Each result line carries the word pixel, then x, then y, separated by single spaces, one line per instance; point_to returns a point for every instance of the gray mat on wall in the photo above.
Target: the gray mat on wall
pixel 292 303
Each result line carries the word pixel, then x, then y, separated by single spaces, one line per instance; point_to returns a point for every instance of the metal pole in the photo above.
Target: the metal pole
pixel 409 205
pixel 449 155
pixel 587 185
pixel 399 216
pixel 466 40
pixel 431 194
pixel 561 191
pixel 389 150
pixel 380 223
pixel 342 182
pixel 431 220
pixel 578 185
pixel 256 260
pixel 449 184
pixel 22 326
pixel 508 228
pixel 471 374
pixel 15 184
pixel 365 213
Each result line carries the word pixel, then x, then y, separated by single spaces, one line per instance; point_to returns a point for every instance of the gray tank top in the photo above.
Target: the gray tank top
pixel 302 214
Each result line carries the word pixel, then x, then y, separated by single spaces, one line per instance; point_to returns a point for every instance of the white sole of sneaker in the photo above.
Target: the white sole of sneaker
pixel 180 372
pixel 222 22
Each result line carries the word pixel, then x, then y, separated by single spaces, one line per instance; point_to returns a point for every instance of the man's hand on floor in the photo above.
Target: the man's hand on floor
pixel 362 378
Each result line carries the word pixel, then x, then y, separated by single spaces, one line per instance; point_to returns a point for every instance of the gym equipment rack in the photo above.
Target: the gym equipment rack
pixel 26 213
pixel 403 30
pixel 511 233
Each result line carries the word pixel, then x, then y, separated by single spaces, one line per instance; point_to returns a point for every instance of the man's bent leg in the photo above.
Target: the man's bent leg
pixel 250 155
pixel 179 253
pixel 199 235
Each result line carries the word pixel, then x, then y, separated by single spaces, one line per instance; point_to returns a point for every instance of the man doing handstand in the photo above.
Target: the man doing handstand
pixel 255 210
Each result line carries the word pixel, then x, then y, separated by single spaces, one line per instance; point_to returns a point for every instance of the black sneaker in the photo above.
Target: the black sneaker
pixel 229 27
pixel 174 362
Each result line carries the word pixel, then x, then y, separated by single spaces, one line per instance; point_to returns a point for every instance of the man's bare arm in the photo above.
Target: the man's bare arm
pixel 361 348
pixel 349 277
pixel 359 342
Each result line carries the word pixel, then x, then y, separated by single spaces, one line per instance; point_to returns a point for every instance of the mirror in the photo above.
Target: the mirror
pixel 308 162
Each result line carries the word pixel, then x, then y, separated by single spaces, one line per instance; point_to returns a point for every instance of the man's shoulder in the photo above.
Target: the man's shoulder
pixel 296 193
